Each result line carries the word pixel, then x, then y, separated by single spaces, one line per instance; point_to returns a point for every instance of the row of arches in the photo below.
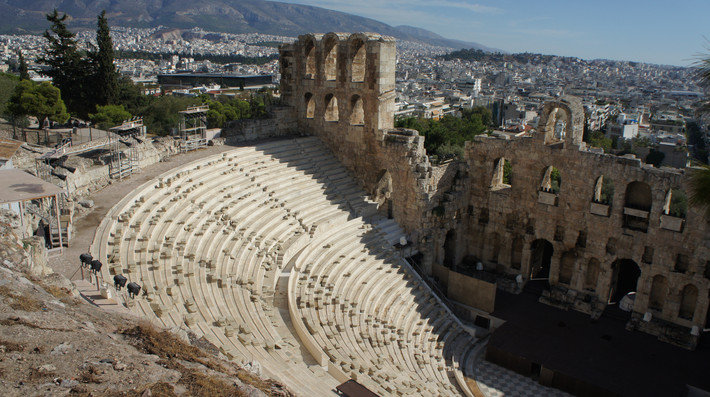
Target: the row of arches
pixel 624 278
pixel 626 274
pixel 638 195
pixel 332 112
pixel 660 291
pixel 357 56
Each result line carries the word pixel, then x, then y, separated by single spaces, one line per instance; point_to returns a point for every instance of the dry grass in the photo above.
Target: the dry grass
pixel 167 346
pixel 174 351
pixel 89 375
pixel 62 293
pixel 19 301
pixel 162 389
pixel 10 321
pixel 11 346
pixel 58 292
pixel 200 384
pixel 26 303
pixel 249 379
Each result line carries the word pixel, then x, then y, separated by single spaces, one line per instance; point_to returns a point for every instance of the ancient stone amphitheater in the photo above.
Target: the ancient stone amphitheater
pixel 275 255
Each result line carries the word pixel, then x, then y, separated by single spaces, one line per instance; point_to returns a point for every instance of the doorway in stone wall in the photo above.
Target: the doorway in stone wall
pixel 450 249
pixel 540 259
pixel 625 279
pixel 541 252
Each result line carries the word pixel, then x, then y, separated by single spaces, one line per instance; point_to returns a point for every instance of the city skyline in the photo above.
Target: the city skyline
pixel 633 30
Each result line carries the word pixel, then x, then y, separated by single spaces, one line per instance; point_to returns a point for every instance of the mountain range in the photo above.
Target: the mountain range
pixel 229 16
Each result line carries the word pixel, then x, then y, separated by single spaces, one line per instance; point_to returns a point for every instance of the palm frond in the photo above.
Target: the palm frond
pixel 700 189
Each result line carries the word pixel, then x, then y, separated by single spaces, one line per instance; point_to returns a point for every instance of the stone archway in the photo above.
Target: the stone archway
pixel 330 59
pixel 688 302
pixel 625 278
pixel 638 200
pixel 562 120
pixel 357 111
pixel 450 249
pixel 358 62
pixel 310 105
pixel 540 259
pixel 310 56
pixel 331 109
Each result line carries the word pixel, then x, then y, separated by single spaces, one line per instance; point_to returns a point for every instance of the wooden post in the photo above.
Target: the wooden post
pixel 59 222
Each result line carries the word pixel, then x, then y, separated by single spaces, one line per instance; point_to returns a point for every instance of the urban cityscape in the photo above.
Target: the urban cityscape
pixel 286 200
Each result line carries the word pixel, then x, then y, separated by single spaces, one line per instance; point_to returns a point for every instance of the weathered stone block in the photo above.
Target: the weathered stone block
pixel 671 223
pixel 546 198
pixel 637 213
pixel 599 209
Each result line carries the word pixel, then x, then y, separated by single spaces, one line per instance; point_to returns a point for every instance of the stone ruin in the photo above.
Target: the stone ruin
pixel 540 205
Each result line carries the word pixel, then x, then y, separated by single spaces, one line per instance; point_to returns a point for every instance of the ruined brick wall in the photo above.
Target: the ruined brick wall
pixel 590 239
pixel 341 88
pixel 279 123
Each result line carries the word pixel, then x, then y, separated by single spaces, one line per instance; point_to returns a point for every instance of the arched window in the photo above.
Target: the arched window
pixel 558 125
pixel 676 203
pixel 592 274
pixel 659 291
pixel 359 61
pixel 638 196
pixel 330 66
pixel 688 300
pixel 637 205
pixel 310 56
pixel 502 174
pixel 567 267
pixel 331 108
pixel 310 105
pixel 551 180
pixel 450 249
pixel 357 113
pixel 604 190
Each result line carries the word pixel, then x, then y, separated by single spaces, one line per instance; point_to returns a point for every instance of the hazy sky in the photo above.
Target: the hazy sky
pixel 657 31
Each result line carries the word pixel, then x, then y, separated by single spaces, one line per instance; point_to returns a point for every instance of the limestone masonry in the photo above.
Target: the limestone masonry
pixel 538 205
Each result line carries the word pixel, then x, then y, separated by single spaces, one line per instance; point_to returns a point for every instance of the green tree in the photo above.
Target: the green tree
pixel 69 70
pixel 445 138
pixel 598 139
pixel 24 73
pixel 8 82
pixel 130 97
pixel 161 115
pixel 655 157
pixel 507 172
pixel 41 100
pixel 700 178
pixel 109 115
pixel 106 76
pixel 555 180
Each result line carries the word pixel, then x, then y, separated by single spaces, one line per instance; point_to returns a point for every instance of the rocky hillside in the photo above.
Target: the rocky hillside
pixel 53 342
pixel 231 16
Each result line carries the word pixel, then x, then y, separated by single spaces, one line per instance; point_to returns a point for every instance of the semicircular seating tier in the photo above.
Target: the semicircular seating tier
pixel 273 254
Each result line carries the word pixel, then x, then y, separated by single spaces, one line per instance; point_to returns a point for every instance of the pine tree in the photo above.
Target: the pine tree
pixel 69 70
pixel 24 74
pixel 106 77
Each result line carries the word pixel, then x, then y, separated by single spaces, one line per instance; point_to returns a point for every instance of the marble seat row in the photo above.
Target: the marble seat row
pixel 212 243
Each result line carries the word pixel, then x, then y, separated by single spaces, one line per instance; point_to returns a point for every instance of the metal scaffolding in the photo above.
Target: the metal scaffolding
pixel 193 128
pixel 124 162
